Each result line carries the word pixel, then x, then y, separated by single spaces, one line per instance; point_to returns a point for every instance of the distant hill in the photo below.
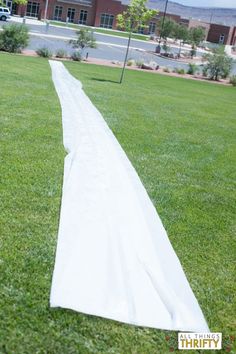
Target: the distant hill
pixel 223 16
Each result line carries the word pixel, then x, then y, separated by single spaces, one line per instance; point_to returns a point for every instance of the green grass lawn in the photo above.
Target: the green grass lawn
pixel 142 37
pixel 180 136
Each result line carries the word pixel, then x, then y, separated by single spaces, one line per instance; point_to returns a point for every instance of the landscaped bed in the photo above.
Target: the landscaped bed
pixel 179 135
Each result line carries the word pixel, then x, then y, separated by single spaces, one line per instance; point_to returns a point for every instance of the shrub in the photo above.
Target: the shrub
pixel 76 56
pixel 130 62
pixel 166 70
pixel 233 80
pixel 14 38
pixel 61 53
pixel 219 64
pixel 85 39
pixel 192 68
pixel 166 48
pixel 181 71
pixel 139 63
pixel 44 52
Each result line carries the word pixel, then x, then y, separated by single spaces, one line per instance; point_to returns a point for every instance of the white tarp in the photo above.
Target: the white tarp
pixel 113 257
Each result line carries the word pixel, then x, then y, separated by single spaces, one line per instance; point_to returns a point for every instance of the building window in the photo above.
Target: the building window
pixel 57 13
pixel 140 29
pixel 152 28
pixel 222 38
pixel 14 8
pixel 7 3
pixel 32 9
pixel 83 17
pixel 106 20
pixel 70 14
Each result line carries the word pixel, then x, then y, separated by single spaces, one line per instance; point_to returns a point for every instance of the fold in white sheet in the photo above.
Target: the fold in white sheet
pixel 113 257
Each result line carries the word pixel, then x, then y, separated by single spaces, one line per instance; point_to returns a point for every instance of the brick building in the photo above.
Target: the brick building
pixel 222 34
pixel 233 39
pixel 106 12
pixel 99 13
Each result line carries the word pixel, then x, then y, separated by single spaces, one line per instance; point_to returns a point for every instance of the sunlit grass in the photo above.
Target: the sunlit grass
pixel 101 30
pixel 179 134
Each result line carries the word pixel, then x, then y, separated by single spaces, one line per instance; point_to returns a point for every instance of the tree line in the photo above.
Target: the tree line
pixel 168 28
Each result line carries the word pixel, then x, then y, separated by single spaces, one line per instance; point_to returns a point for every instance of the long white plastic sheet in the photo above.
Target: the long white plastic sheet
pixel 113 258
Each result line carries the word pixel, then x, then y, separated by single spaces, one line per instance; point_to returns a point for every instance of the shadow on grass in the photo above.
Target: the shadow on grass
pixel 104 80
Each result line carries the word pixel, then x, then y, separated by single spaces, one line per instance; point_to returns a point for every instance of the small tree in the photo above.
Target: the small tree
pixel 197 35
pixel 180 32
pixel 136 16
pixel 85 40
pixel 165 27
pixel 219 64
pixel 14 38
pixel 20 2
pixel 193 51
pixel 165 47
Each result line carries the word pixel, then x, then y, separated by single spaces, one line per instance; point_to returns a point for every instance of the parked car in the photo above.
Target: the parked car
pixel 4 13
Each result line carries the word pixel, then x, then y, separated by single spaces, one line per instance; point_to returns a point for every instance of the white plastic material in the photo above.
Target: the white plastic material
pixel 113 257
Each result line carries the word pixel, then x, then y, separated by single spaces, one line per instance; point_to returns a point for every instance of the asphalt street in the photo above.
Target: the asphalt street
pixel 109 47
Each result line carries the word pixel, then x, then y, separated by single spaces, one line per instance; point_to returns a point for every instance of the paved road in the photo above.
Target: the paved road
pixel 109 47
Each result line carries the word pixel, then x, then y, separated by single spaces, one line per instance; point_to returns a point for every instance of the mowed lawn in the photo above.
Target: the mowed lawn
pixel 179 135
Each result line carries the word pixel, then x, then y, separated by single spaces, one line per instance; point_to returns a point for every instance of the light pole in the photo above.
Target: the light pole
pixel 211 16
pixel 126 56
pixel 163 21
pixel 46 10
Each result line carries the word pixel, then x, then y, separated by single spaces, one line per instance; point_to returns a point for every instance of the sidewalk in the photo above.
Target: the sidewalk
pixel 28 21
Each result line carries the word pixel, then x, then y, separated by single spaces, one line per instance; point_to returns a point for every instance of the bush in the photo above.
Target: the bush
pixel 76 56
pixel 233 80
pixel 44 52
pixel 130 62
pixel 180 71
pixel 219 64
pixel 139 63
pixel 192 68
pixel 61 53
pixel 166 48
pixel 14 38
pixel 85 39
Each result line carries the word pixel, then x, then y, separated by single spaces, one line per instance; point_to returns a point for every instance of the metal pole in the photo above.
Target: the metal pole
pixel 126 56
pixel 46 10
pixel 211 16
pixel 163 21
